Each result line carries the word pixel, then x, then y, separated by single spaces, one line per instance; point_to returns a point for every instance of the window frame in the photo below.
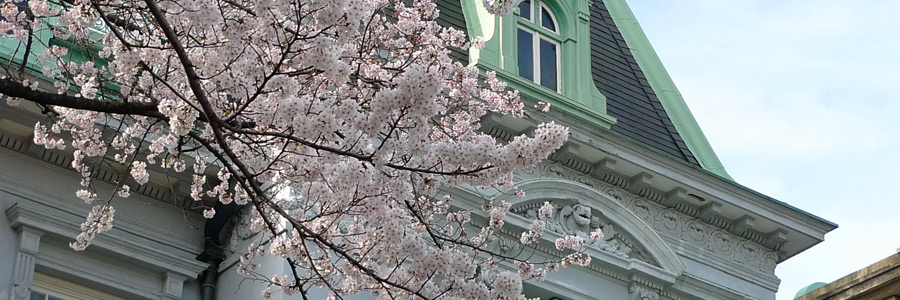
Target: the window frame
pixel 66 290
pixel 535 27
pixel 531 8
pixel 552 17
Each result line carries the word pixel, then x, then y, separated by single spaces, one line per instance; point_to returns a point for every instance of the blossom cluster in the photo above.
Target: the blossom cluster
pixel 500 7
pixel 338 121
pixel 98 220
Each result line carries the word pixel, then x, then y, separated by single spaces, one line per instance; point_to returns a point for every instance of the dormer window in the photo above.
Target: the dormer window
pixel 543 50
pixel 538 44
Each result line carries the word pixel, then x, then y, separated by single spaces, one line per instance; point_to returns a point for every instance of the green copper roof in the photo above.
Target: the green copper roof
pixel 809 288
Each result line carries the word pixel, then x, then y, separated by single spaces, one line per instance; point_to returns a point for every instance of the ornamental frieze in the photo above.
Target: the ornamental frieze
pixel 571 217
pixel 667 222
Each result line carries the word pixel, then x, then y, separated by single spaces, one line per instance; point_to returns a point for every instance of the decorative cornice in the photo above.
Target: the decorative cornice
pixel 101 173
pixel 686 233
pixel 35 194
pixel 641 185
pixel 63 223
pixel 804 229
pixel 587 145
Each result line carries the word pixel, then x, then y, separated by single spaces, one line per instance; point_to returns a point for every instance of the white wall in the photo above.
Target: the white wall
pixel 150 241
pixel 8 244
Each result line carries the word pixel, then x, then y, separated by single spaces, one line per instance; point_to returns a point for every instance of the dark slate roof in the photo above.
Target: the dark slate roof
pixel 629 97
pixel 452 16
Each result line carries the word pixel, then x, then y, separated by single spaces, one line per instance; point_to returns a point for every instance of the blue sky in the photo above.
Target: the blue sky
pixel 799 99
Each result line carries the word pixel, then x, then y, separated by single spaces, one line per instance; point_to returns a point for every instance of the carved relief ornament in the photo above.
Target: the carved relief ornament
pixel 668 222
pixel 571 217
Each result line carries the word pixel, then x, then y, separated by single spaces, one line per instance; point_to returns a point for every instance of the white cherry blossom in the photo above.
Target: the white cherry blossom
pixel 341 122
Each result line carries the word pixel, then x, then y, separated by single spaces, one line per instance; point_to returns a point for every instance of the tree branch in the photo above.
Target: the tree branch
pixel 13 88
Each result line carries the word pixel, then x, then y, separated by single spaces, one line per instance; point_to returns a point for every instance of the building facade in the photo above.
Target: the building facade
pixel 636 165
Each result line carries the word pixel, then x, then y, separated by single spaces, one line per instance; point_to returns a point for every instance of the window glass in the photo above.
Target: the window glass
pixel 547 20
pixel 548 64
pixel 42 296
pixel 526 54
pixel 525 9
pixel 538 52
pixel 51 288
pixel 38 296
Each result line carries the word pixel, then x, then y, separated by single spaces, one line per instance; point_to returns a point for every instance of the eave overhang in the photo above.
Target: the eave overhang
pixel 688 189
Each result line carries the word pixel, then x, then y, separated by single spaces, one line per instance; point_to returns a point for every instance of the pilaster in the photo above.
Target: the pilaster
pixel 23 272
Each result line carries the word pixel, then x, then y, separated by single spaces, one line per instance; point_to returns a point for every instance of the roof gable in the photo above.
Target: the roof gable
pixel 627 71
pixel 630 98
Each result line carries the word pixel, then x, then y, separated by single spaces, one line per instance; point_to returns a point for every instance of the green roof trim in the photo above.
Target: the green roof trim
pixel 809 288
pixel 664 87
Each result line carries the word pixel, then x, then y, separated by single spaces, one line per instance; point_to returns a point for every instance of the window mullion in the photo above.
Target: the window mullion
pixel 549 35
pixel 536 59
pixel 559 86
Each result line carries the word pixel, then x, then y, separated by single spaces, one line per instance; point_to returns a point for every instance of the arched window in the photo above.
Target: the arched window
pixel 543 50
pixel 538 44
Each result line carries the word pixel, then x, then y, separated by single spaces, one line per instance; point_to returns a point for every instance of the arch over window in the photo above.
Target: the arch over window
pixel 568 192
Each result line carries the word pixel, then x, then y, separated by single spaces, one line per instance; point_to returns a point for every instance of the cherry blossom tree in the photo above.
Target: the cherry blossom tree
pixel 353 106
